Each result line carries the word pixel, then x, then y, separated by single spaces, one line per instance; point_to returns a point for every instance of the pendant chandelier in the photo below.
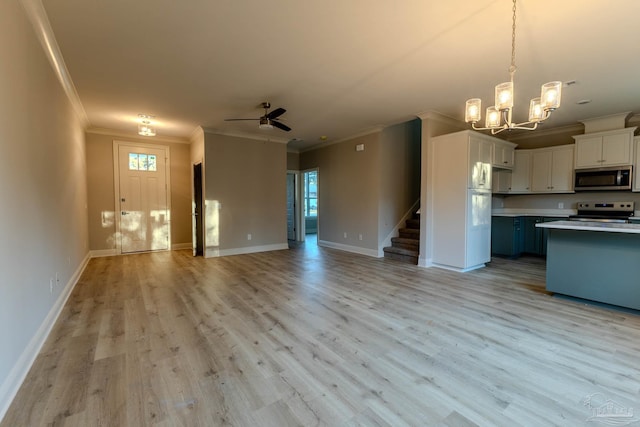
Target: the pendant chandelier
pixel 539 108
pixel 146 128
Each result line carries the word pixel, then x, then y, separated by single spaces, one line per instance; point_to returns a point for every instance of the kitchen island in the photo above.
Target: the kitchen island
pixel 594 260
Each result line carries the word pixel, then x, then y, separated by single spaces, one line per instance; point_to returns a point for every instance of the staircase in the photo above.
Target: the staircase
pixel 406 247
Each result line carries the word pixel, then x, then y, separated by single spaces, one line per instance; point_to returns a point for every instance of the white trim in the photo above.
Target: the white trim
pixel 245 135
pixel 215 252
pixel 181 246
pixel 297 202
pixel 425 262
pixel 459 270
pixel 9 388
pixel 42 27
pixel 396 230
pixel 116 184
pixel 348 248
pixel 377 129
pixel 102 253
pixel 141 139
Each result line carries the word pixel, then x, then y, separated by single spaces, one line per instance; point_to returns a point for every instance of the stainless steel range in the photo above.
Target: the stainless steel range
pixel 604 211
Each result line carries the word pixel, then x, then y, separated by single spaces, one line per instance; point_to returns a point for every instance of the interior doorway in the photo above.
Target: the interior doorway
pixel 197 211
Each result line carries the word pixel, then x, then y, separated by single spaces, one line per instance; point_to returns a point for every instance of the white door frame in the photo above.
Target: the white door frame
pixel 116 186
pixel 298 201
pixel 303 227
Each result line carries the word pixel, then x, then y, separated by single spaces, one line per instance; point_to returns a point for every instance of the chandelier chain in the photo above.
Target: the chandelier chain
pixel 512 68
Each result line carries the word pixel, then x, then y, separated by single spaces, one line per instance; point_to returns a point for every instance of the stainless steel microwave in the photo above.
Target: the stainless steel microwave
pixel 603 179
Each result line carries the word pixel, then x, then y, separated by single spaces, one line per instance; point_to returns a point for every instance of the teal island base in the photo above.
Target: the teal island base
pixel 595 265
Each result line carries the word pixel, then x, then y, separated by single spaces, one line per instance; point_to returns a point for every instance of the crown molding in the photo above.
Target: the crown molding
pixel 442 118
pixel 377 129
pixel 541 133
pixel 245 135
pixel 124 134
pixel 40 21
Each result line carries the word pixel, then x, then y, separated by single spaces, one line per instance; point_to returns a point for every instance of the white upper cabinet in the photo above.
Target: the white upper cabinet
pixel 552 169
pixel 480 156
pixel 503 155
pixel 602 149
pixel 501 181
pixel 636 164
pixel 521 176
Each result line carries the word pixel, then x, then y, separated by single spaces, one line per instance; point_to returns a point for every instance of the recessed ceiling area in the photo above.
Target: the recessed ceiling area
pixel 338 68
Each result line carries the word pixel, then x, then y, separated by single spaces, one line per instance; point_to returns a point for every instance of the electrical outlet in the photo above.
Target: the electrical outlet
pixel 360 236
pixel 560 205
pixel 345 234
pixel 249 236
pixel 51 285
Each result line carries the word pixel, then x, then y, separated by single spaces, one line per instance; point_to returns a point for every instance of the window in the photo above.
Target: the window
pixel 142 162
pixel 311 193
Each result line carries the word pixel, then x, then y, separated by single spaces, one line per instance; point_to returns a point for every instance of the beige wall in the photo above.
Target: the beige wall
pixel 349 183
pixel 366 192
pixel 43 189
pixel 245 193
pixel 400 174
pixel 293 161
pixel 100 186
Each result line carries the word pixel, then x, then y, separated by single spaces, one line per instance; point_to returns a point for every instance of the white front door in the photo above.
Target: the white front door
pixel 142 198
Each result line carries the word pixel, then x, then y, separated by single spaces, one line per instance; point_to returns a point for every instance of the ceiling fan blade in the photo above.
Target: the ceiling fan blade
pixel 280 126
pixel 235 120
pixel 276 113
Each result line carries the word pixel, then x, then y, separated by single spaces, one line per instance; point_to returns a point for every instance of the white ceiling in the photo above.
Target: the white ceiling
pixel 339 68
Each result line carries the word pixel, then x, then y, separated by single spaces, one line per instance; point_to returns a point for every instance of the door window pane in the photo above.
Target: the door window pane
pixel 143 162
pixel 311 193
pixel 133 161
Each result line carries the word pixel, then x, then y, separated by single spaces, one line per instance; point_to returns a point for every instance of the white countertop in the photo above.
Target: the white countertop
pixel 560 213
pixel 609 227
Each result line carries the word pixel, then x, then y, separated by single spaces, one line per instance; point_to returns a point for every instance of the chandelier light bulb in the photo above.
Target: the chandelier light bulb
pixel 550 95
pixel 472 111
pixel 493 117
pixel 536 112
pixel 504 95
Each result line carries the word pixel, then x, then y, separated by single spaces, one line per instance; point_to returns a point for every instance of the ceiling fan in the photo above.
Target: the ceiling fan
pixel 268 121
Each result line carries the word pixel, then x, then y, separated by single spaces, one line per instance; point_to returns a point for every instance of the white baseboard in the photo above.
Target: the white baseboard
pixel 425 262
pixel 102 253
pixel 181 246
pixel 113 252
pixel 459 270
pixel 9 388
pixel 349 248
pixel 215 252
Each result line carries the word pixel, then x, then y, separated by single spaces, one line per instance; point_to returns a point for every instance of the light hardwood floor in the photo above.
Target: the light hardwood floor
pixel 319 337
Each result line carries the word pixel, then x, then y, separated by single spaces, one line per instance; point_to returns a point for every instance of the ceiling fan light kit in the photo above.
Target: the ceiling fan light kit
pixel 269 119
pixel 540 108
